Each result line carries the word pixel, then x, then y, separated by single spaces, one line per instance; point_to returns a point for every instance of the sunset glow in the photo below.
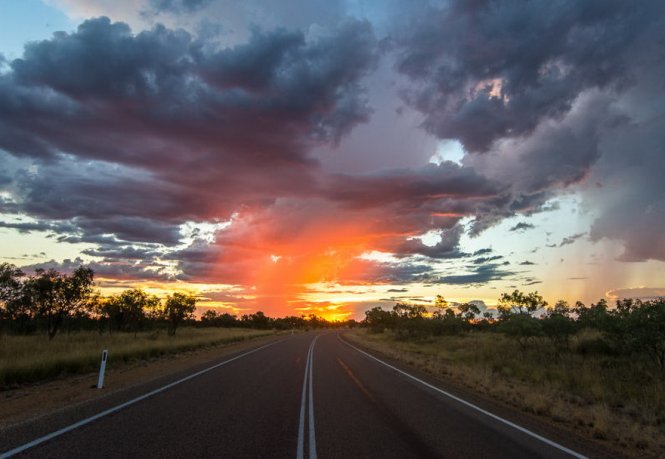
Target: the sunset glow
pixel 299 161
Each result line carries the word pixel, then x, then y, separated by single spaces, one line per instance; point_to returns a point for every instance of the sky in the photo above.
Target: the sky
pixel 327 157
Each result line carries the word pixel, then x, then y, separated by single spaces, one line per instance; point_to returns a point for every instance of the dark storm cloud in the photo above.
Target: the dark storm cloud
pixel 543 53
pixel 432 183
pixel 553 94
pixel 152 95
pixel 175 132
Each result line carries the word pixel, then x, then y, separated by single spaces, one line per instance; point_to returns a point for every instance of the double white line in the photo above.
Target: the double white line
pixel 307 388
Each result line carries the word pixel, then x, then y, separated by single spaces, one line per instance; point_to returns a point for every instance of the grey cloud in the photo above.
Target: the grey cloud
pixel 174 130
pixel 522 226
pixel 483 260
pixel 447 247
pixel 178 6
pixel 479 275
pixel 543 53
pixel 68 92
pixel 117 270
pixel 571 239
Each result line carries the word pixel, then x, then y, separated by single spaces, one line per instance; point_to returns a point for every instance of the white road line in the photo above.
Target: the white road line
pixel 116 408
pixel 312 432
pixel 471 405
pixel 300 453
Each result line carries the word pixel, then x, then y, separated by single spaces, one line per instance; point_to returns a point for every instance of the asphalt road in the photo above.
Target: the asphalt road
pixel 306 395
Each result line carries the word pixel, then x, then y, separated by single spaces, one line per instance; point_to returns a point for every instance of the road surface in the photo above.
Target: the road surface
pixel 308 395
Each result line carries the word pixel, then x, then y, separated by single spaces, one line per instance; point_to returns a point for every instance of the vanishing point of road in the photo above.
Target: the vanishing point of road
pixel 299 396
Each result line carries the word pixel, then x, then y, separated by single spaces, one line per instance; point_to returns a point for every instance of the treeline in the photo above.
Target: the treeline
pixel 260 321
pixel 631 328
pixel 49 302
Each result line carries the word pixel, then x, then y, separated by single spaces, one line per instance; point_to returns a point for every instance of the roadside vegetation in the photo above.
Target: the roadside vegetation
pixel 597 369
pixel 53 324
pixel 32 358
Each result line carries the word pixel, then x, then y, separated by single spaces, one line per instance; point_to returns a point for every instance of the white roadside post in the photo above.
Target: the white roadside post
pixel 102 369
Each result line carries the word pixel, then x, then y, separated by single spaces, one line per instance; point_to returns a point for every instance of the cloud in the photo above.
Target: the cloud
pixel 179 6
pixel 571 239
pixel 491 70
pixel 522 226
pixel 116 270
pixel 642 293
pixel 120 138
pixel 552 95
pixel 478 275
pixel 483 260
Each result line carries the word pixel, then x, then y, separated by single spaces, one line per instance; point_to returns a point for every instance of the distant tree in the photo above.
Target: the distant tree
pixel 558 327
pixel 440 302
pixel 468 311
pixel 515 313
pixel 129 309
pixel 10 283
pixel 227 320
pixel 257 320
pixel 638 327
pixel 56 296
pixel 209 318
pixel 11 306
pixel 445 322
pixel 409 311
pixel 377 320
pixel 178 307
pixel 595 316
pixel 647 329
pixel 410 322
pixel 519 303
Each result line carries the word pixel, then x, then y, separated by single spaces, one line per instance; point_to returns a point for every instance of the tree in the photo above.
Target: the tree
pixel 377 320
pixel 127 311
pixel 440 302
pixel 409 320
pixel 519 303
pixel 558 327
pixel 639 327
pixel 515 310
pixel 468 311
pixel 11 306
pixel 178 307
pixel 594 316
pixel 55 296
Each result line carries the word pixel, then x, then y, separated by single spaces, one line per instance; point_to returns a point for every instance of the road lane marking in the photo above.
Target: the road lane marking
pixel 300 453
pixel 471 405
pixel 303 401
pixel 76 425
pixel 312 432
pixel 357 382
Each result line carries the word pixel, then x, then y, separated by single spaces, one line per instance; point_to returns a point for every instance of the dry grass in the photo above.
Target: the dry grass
pixel 610 399
pixel 35 358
